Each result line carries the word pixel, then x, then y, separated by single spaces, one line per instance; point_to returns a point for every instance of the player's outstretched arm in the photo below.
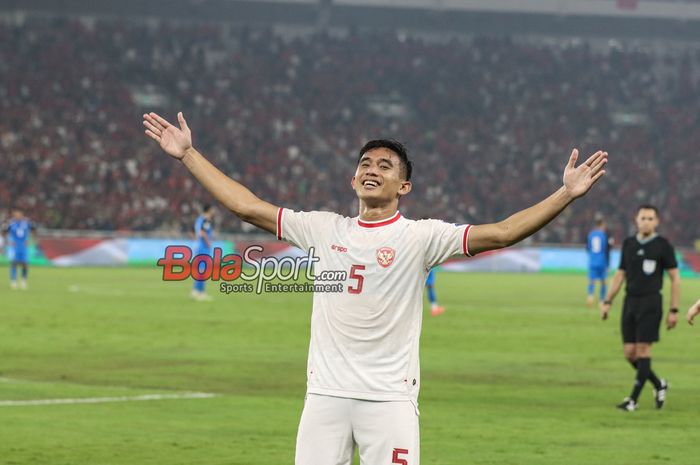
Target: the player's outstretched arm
pixel 177 142
pixel 693 312
pixel 615 286
pixel 577 181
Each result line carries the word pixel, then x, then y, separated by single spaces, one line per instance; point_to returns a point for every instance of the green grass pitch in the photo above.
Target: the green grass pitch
pixel 516 372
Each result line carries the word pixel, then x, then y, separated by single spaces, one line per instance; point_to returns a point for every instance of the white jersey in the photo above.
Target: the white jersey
pixel 364 340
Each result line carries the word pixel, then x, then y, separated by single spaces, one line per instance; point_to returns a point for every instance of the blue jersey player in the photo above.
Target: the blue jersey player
pixel 203 232
pixel 18 232
pixel 435 309
pixel 598 248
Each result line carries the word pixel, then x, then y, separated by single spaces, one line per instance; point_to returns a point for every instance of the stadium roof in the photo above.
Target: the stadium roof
pixel 600 18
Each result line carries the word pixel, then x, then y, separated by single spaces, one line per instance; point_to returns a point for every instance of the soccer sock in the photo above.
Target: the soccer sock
pixel 643 370
pixel 591 288
pixel 603 291
pixel 199 285
pixel 24 272
pixel 431 295
pixel 652 376
pixel 13 272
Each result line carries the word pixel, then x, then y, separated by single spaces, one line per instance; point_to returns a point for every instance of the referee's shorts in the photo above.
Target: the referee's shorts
pixel 641 318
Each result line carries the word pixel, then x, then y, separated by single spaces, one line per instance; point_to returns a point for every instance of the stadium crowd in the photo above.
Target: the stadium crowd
pixel 490 122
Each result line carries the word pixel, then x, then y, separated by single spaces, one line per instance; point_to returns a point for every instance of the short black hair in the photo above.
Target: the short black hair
pixel 648 206
pixel 395 146
pixel 206 208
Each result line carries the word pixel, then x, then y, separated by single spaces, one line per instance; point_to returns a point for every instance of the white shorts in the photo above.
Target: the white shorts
pixel 386 433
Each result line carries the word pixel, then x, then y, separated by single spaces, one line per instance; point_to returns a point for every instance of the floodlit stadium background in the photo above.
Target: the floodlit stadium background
pixel 490 96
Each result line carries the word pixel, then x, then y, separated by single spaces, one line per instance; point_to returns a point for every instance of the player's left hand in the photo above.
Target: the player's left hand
pixel 579 179
pixel 671 320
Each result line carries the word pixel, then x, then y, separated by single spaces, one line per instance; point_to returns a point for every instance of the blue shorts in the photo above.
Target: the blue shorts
pixel 202 251
pixel 597 272
pixel 431 278
pixel 19 254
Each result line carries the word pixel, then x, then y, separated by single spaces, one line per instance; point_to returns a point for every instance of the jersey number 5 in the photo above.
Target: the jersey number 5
pixel 396 459
pixel 360 280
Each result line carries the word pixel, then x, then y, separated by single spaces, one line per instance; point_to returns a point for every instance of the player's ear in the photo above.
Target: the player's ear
pixel 405 188
pixel 352 182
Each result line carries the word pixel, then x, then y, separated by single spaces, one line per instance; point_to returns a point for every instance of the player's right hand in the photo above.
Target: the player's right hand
pixel 175 142
pixel 604 310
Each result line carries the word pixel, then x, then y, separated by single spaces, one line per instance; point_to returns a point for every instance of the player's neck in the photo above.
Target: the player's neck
pixel 643 236
pixel 377 213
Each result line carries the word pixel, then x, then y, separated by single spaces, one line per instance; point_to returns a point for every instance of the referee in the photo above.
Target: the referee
pixel 645 256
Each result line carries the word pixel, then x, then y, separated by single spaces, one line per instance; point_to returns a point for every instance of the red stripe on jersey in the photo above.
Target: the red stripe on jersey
pixel 465 239
pixel 279 224
pixel 376 224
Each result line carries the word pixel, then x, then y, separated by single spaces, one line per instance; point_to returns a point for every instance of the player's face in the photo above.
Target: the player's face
pixel 647 221
pixel 17 214
pixel 378 178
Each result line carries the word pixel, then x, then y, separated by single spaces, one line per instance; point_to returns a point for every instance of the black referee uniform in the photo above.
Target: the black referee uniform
pixel 644 263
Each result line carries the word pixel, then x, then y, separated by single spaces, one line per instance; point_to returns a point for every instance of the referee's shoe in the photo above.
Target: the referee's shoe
pixel 660 394
pixel 628 405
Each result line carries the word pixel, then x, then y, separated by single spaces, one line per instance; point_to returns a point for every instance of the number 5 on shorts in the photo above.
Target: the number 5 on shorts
pixel 396 459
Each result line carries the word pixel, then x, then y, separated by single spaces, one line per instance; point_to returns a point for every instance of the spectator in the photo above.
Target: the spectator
pixel 287 114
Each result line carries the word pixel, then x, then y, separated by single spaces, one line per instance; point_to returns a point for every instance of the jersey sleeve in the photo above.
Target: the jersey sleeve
pixel 445 240
pixel 668 260
pixel 303 229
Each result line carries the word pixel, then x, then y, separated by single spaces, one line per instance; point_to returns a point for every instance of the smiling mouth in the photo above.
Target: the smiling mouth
pixel 370 184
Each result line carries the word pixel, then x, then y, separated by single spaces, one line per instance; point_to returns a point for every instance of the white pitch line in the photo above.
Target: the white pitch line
pixel 95 290
pixel 102 400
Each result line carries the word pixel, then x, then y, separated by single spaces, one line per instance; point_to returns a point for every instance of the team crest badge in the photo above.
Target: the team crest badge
pixel 385 256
